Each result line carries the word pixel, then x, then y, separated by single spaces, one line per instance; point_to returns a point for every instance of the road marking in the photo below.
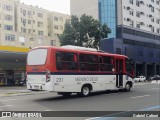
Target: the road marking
pixel 111 116
pixel 48 110
pixel 136 84
pixel 156 88
pixel 6 106
pixel 93 118
pixel 141 96
pixel 7 100
pixel 150 108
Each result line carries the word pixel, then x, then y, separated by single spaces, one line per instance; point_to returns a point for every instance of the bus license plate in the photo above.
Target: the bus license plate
pixel 36 87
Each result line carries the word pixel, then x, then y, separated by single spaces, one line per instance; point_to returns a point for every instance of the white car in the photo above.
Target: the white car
pixel 140 79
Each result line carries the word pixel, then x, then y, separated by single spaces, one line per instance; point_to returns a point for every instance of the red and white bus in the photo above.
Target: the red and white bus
pixel 71 69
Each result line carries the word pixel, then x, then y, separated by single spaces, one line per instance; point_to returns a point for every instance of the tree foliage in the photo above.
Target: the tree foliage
pixel 84 31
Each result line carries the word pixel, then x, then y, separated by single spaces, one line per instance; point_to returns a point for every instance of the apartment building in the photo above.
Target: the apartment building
pixel 29 26
pixel 135 30
pixel 23 27
pixel 56 24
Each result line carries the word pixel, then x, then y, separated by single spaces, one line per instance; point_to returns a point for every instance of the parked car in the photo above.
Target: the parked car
pixel 153 77
pixel 156 78
pixel 140 79
pixel 22 83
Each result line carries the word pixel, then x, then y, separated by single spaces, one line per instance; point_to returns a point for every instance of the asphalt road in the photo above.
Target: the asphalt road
pixel 143 97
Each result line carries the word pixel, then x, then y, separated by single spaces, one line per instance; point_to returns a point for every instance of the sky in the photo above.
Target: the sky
pixel 61 6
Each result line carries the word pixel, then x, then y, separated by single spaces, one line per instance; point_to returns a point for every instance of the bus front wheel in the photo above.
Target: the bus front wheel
pixel 85 91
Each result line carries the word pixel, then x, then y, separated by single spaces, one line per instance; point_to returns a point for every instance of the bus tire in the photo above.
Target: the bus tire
pixel 85 91
pixel 127 87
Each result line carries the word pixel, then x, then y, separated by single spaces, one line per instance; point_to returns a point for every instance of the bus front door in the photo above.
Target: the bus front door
pixel 119 73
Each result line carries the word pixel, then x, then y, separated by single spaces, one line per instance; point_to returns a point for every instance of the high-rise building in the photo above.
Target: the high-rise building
pixel 135 30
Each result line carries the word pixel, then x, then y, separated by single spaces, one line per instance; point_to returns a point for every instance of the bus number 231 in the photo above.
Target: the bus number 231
pixel 59 79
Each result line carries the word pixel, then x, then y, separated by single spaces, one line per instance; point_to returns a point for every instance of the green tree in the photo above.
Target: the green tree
pixel 84 31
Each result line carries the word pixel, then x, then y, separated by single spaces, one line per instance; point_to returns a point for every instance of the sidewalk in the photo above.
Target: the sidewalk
pixel 6 91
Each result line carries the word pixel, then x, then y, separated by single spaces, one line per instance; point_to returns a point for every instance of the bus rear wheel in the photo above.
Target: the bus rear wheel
pixel 127 87
pixel 85 91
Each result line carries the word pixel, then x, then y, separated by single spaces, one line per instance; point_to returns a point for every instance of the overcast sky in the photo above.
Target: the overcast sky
pixel 62 6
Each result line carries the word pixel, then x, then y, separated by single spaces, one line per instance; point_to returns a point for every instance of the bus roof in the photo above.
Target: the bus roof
pixel 78 50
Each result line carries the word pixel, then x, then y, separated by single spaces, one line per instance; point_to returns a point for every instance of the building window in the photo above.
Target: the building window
pixel 29 31
pixel 40 32
pixel 55 18
pixel 152 0
pixel 55 26
pixel 137 25
pixel 158 21
pixel 157 2
pixel 22 40
pixel 131 1
pixel 118 50
pixel 24 22
pixel 40 24
pixel 24 12
pixel 137 3
pixel 29 13
pixel 140 53
pixel 159 55
pixel 152 29
pixel 131 12
pixel 39 41
pixel 40 15
pixel 9 37
pixel 7 7
pixel 61 27
pixel 8 27
pixel 138 14
pixel 152 8
pixel 8 17
pixel 29 21
pixel 150 54
pixel 53 43
pixel 158 30
pixel 31 39
pixel 61 19
pixel 24 30
pixel 152 19
pixel 132 23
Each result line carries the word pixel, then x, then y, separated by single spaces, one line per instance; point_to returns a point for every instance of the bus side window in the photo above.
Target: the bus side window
pixel 58 61
pixel 73 65
pixel 66 61
pixel 83 62
pixel 93 63
pixel 108 64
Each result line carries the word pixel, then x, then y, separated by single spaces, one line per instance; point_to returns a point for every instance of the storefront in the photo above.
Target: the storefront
pixel 12 65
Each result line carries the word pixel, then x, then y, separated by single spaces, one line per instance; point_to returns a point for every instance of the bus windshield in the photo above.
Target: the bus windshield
pixel 37 57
